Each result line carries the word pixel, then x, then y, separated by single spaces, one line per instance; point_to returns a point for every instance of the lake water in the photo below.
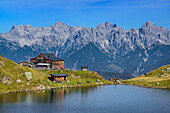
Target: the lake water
pixel 98 99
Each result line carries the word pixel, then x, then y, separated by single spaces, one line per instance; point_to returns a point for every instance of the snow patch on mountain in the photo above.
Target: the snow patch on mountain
pixel 145 59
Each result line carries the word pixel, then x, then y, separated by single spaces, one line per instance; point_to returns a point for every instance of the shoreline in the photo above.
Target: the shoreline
pixel 145 86
pixel 58 87
pixel 29 90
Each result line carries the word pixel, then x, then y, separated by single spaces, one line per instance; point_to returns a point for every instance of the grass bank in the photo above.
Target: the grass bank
pixel 12 78
pixel 159 78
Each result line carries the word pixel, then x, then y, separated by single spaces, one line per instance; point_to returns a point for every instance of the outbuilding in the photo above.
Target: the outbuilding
pixel 24 63
pixel 84 68
pixel 59 77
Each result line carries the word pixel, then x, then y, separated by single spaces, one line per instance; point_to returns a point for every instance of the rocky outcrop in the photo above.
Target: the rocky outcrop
pixel 111 40
pixel 18 81
pixel 6 80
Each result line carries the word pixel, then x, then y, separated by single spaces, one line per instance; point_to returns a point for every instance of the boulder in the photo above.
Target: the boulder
pixel 101 82
pixel 142 75
pixel 168 68
pixel 7 80
pixel 118 81
pixel 43 88
pixel 18 81
pixel 28 75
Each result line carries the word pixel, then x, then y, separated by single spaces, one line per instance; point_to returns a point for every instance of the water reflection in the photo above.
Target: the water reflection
pixel 50 96
pixel 97 99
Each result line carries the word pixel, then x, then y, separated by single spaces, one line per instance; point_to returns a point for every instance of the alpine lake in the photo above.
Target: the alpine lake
pixel 94 99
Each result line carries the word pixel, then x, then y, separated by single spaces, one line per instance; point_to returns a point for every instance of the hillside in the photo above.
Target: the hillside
pixel 108 47
pixel 109 75
pixel 159 78
pixel 12 78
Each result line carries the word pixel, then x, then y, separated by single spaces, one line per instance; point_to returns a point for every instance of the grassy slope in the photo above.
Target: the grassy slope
pixel 159 78
pixel 13 71
pixel 81 76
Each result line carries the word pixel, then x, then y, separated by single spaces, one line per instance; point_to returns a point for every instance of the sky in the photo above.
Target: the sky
pixel 86 13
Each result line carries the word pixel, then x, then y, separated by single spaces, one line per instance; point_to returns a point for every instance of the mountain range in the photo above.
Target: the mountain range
pixel 107 47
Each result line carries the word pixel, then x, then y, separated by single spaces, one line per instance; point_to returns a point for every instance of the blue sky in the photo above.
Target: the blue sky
pixel 87 13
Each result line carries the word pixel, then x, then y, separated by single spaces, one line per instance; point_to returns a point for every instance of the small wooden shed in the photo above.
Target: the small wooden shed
pixel 84 68
pixel 59 77
pixel 24 63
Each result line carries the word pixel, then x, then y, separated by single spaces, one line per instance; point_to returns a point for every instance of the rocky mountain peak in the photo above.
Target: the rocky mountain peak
pixel 13 27
pixel 59 26
pixel 109 42
pixel 148 24
pixel 133 29
pixel 106 26
pixel 101 24
pixel 58 23
pixel 115 25
pixel 24 26
pixel 107 23
pixel 60 32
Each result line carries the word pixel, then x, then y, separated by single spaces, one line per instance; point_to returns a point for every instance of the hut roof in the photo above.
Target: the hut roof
pixel 59 75
pixel 24 62
pixel 51 56
pixel 84 67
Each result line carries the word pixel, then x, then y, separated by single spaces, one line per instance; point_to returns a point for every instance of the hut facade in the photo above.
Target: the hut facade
pixel 59 77
pixel 24 63
pixel 47 61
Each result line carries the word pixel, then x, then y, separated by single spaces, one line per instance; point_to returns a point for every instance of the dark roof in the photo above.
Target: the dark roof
pixel 59 75
pixel 25 62
pixel 51 56
pixel 84 67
